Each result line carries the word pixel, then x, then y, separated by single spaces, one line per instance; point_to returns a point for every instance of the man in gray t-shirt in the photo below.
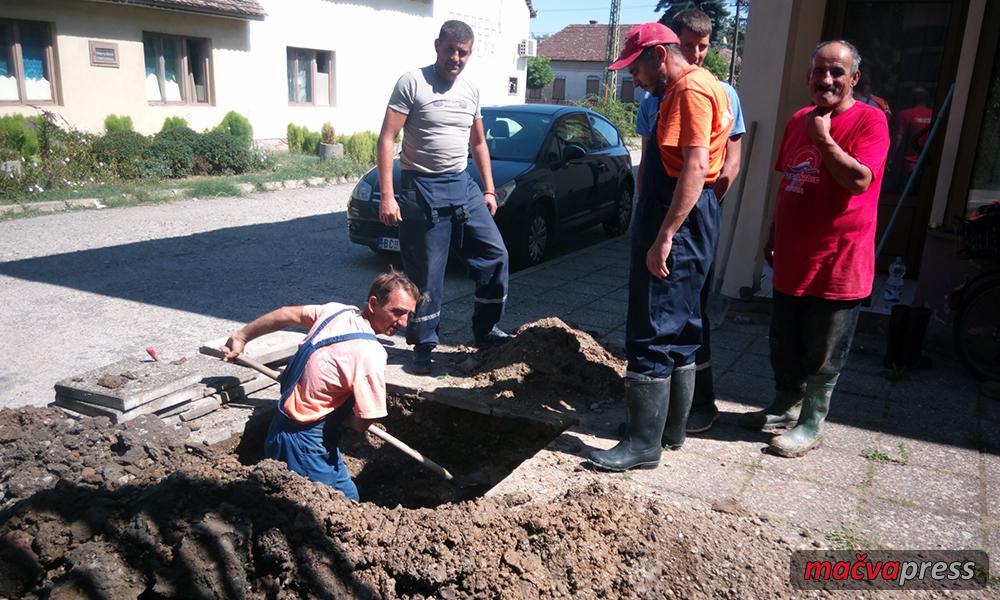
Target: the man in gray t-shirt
pixel 439 205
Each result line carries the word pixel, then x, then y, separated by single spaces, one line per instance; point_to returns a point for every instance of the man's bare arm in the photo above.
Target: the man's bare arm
pixel 276 320
pixel 481 158
pixel 686 194
pixel 730 167
pixel 392 124
pixel 844 168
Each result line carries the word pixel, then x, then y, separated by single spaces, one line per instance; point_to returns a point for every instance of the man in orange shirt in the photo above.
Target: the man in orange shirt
pixel 673 244
pixel 337 375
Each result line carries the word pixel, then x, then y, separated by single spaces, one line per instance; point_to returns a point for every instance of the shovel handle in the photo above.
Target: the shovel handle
pixel 382 434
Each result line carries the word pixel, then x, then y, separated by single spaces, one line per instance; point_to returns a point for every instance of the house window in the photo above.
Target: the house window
pixel 310 77
pixel 178 69
pixel 628 90
pixel 559 88
pixel 593 85
pixel 26 62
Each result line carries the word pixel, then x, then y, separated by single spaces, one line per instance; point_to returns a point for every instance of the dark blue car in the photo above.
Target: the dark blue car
pixel 555 168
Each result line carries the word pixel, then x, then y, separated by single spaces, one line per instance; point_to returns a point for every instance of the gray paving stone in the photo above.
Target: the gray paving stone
pixel 585 285
pixel 848 438
pixel 991 470
pixel 723 359
pixel 929 490
pixel 800 502
pixel 992 546
pixel 560 301
pixel 594 317
pixel 535 279
pixel 863 384
pixel 728 444
pixel 615 337
pixel 824 466
pixel 732 340
pixel 851 409
pixel 755 390
pixel 914 528
pixel 274 347
pixel 753 364
pixel 941 457
pixel 761 345
pixel 697 476
pixel 145 382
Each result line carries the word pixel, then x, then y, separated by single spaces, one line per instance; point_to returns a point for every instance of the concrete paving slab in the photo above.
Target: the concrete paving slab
pixel 758 365
pixel 138 382
pixel 799 503
pixel 860 411
pixel 722 360
pixel 991 473
pixel 756 391
pixel 761 345
pixel 824 466
pixel 915 528
pixel 849 438
pixel 697 476
pixel 934 491
pixel 732 340
pixel 937 456
pixel 603 321
pixel 992 546
pixel 728 443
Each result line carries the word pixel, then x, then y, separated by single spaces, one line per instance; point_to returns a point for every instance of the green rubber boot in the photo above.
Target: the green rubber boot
pixel 783 412
pixel 808 433
pixel 681 397
pixel 647 402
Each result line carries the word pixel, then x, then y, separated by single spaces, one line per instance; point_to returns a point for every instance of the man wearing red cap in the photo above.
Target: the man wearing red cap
pixel 673 244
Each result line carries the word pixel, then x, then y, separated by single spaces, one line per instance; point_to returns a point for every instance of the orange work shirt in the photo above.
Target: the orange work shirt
pixel 695 112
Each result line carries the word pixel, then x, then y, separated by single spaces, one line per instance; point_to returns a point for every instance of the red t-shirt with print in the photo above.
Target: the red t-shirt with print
pixel 824 237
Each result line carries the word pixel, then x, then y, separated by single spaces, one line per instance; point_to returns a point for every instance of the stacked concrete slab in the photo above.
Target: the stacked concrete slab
pixel 176 390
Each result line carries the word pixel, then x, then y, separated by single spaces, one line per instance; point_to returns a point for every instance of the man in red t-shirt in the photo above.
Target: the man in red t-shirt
pixel 822 244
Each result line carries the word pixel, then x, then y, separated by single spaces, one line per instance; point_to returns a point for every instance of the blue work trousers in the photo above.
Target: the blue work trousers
pixel 443 211
pixel 664 326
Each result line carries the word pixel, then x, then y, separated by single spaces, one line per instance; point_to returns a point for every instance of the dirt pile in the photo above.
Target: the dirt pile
pixel 550 362
pixel 140 514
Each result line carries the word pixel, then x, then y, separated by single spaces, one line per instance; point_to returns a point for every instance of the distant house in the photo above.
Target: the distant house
pixel 578 54
pixel 274 61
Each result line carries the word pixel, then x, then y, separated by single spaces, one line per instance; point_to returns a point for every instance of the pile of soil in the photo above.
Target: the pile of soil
pixel 550 363
pixel 94 510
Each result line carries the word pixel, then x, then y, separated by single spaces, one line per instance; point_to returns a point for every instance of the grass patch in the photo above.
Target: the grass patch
pixel 849 537
pixel 869 477
pixel 211 188
pixel 904 454
pixel 876 456
pixel 754 467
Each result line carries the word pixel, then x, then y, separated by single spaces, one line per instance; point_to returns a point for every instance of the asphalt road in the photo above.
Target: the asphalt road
pixel 80 290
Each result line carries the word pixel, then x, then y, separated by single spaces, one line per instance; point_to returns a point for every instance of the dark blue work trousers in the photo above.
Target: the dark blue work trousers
pixel 664 326
pixel 443 211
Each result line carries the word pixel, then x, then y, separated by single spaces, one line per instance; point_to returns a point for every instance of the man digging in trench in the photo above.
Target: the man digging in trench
pixel 673 244
pixel 337 375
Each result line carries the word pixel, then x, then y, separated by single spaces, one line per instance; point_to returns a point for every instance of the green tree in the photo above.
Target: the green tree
pixel 716 64
pixel 722 23
pixel 539 72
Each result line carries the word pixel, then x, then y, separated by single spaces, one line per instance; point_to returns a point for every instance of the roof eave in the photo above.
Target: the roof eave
pixel 187 10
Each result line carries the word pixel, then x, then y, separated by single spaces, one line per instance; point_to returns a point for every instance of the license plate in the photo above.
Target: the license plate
pixel 388 243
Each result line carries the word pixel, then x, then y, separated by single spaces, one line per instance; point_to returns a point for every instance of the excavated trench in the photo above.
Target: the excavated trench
pixel 479 450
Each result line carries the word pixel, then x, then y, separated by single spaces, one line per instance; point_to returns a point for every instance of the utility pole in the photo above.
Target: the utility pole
pixel 611 77
pixel 736 39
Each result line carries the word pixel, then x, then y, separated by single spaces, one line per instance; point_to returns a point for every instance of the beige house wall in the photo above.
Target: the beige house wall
pixel 779 43
pixel 87 94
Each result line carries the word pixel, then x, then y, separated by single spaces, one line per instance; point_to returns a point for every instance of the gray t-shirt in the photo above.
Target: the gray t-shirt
pixel 439 117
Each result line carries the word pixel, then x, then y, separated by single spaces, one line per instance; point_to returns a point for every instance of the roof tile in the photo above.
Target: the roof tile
pixel 234 8
pixel 588 42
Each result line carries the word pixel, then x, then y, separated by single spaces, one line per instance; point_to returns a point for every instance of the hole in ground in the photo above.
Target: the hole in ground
pixel 478 450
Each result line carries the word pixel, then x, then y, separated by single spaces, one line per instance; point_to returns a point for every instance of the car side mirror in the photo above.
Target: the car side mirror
pixel 574 151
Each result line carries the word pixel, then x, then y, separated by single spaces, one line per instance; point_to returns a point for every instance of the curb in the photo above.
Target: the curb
pixel 54 206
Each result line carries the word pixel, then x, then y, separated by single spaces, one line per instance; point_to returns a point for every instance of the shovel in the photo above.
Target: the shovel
pixel 382 434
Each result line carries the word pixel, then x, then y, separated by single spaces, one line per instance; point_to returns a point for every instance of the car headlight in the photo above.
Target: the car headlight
pixel 362 191
pixel 504 192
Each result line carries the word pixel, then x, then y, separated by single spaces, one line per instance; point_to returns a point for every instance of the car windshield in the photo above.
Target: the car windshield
pixel 516 135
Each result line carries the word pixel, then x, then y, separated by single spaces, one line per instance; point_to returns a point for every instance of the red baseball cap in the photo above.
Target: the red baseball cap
pixel 641 37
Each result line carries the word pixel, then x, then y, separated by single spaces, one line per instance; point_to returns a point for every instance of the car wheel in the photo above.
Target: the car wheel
pixel 618 224
pixel 533 242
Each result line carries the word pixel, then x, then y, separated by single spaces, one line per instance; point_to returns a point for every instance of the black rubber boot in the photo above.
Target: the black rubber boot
pixel 783 412
pixel 913 338
pixel 681 397
pixel 703 410
pixel 807 434
pixel 646 402
pixel 894 338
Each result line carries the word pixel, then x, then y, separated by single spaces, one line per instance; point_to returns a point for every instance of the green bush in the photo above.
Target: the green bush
pixel 622 114
pixel 223 153
pixel 296 136
pixel 329 133
pixel 361 146
pixel 236 125
pixel 310 145
pixel 169 157
pixel 184 135
pixel 121 152
pixel 114 123
pixel 18 133
pixel 173 122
